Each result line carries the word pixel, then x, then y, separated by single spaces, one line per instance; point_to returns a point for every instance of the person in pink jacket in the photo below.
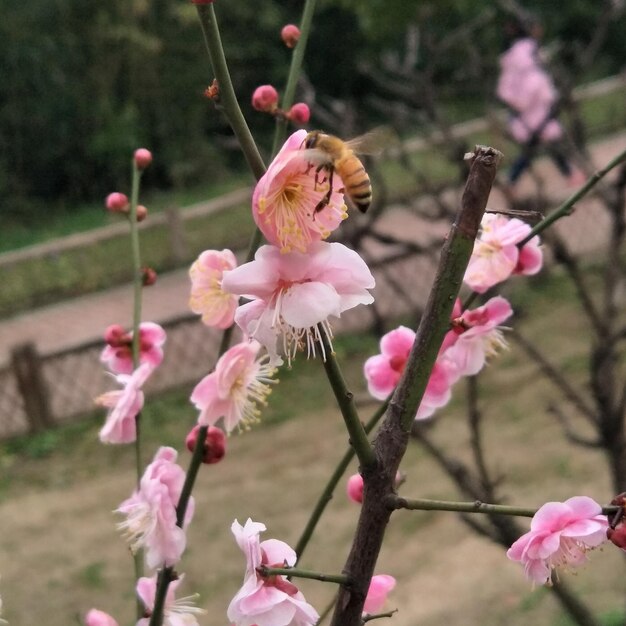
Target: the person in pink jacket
pixel 528 91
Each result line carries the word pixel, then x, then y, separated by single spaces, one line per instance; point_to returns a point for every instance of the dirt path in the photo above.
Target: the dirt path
pixel 82 319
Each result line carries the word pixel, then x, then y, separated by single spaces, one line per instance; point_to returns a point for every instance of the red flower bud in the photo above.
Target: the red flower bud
pixel 214 444
pixel 117 202
pixel 265 98
pixel 299 113
pixel 148 276
pixel 116 336
pixel 290 35
pixel 143 158
pixel 142 213
pixel 617 536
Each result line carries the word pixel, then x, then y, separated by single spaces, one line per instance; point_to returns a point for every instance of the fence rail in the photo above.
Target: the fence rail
pixel 38 390
pixel 237 197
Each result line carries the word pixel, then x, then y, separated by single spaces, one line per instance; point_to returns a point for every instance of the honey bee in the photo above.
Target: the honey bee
pixel 335 155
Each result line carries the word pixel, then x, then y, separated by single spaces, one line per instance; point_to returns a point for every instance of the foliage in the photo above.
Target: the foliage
pixel 86 82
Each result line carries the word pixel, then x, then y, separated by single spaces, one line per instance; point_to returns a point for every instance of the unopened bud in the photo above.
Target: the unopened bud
pixel 148 276
pixel 299 113
pixel 117 202
pixel 142 213
pixel 265 98
pixel 617 536
pixel 212 92
pixel 115 335
pixel 354 488
pixel 143 158
pixel 290 35
pixel 214 444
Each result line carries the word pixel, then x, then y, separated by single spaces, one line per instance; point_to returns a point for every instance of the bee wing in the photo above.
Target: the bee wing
pixel 315 156
pixel 374 141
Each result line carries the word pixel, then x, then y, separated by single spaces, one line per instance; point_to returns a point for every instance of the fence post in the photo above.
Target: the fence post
pixel 32 386
pixel 177 239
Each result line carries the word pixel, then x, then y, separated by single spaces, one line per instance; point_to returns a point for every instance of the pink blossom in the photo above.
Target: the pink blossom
pixel 383 372
pixel 560 535
pixel 496 254
pixel 286 197
pixel 299 113
pixel 292 293
pixel 99 618
pixel 271 600
pixel 207 297
pixel 290 34
pixel 124 405
pixel 143 158
pixel 214 444
pixel 151 511
pixel 379 588
pixel 478 336
pixel 118 353
pixel 176 612
pixel 530 258
pixel 265 98
pixel 236 388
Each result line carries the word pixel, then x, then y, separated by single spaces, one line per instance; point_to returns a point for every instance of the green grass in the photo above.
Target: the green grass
pixel 275 472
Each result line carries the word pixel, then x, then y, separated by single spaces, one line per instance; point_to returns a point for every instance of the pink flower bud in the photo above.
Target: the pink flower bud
pixel 143 158
pixel 214 444
pixel 380 586
pixel 148 276
pixel 299 113
pixel 117 202
pixel 290 35
pixel 265 98
pixel 142 213
pixel 355 488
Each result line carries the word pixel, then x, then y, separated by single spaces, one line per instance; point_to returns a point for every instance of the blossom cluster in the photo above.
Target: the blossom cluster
pixel 474 336
pixel 297 281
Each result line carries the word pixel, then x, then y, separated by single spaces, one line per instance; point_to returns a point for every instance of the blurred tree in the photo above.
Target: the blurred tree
pixel 85 82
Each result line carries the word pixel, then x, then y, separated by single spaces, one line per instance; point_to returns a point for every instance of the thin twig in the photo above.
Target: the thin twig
pixel 557 379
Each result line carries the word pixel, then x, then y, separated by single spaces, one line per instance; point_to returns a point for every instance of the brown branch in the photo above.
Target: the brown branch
pixel 563 255
pixel 570 433
pixel 392 440
pixel 555 377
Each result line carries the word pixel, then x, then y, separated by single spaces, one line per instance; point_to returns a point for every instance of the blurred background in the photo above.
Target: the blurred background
pixel 86 83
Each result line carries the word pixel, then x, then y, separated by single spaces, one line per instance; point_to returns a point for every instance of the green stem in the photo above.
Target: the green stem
pixel 294 72
pixel 566 207
pixel 294 572
pixel 420 504
pixel 228 99
pixel 167 574
pixel 327 494
pixel 137 285
pixel 345 400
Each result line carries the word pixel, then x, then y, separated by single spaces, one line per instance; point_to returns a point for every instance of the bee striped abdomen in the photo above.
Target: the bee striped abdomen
pixel 356 182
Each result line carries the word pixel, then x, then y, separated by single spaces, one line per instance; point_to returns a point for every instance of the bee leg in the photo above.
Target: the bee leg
pixel 325 201
pixel 320 180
